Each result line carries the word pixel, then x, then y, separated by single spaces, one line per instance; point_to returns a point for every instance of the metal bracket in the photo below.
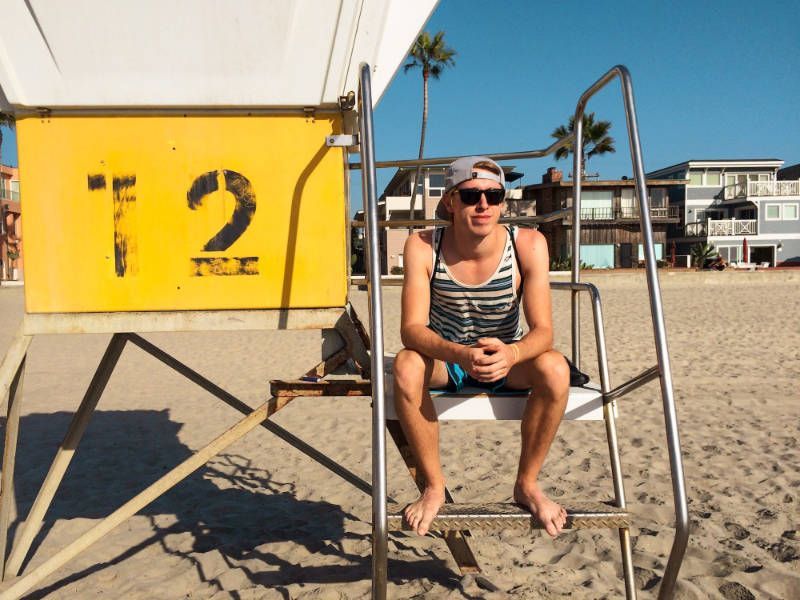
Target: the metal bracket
pixel 341 140
pixel 309 111
pixel 44 113
pixel 348 101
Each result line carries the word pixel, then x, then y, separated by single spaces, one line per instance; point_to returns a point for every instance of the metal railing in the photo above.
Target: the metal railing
pixel 696 229
pixel 732 227
pixel 762 189
pixel 663 368
pixel 623 213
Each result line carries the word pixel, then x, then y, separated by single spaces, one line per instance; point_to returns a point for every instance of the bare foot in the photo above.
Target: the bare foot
pixel 552 515
pixel 419 514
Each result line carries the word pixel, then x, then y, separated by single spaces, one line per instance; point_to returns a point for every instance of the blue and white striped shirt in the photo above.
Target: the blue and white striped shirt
pixel 463 313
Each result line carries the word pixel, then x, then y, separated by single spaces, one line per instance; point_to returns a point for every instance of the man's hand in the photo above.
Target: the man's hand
pixel 493 360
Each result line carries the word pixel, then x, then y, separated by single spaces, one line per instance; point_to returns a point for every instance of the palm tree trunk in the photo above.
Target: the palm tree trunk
pixel 418 172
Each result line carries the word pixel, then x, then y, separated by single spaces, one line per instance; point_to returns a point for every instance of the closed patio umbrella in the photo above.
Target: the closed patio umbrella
pixel 745 251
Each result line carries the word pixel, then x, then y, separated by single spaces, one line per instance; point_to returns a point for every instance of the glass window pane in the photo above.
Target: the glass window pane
pixel 773 211
pixel 658 198
pixel 695 178
pixel 713 178
pixel 601 195
pixel 436 180
pixel 435 192
pixel 790 212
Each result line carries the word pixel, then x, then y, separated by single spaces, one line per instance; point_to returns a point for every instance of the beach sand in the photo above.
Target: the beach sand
pixel 262 520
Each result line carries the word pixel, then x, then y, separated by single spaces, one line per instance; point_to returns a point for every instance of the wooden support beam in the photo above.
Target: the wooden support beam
pixel 324 387
pixel 138 502
pixel 7 493
pixel 66 451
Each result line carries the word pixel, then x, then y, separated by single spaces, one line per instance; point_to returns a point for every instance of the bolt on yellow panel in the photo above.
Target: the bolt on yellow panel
pixel 182 213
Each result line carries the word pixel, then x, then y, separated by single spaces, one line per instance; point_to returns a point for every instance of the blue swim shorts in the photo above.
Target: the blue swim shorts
pixel 458 379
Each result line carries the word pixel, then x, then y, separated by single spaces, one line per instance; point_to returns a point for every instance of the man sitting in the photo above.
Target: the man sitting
pixel 462 292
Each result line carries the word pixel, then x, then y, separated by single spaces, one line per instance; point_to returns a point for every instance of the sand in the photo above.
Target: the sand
pixel 263 521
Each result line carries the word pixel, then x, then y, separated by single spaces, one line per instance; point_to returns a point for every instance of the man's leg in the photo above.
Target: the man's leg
pixel 413 375
pixel 548 377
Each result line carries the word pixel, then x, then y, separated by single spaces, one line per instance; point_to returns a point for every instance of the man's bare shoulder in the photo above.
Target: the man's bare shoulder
pixel 421 241
pixel 532 250
pixel 530 239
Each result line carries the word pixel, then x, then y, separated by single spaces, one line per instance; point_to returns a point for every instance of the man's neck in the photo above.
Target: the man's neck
pixel 469 246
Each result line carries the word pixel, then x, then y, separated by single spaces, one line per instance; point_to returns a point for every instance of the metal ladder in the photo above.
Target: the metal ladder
pixel 455 517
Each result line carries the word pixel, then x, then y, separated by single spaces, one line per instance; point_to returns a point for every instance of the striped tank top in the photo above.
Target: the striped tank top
pixel 464 313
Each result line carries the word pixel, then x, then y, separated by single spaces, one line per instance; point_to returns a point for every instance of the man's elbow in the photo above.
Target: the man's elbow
pixel 408 335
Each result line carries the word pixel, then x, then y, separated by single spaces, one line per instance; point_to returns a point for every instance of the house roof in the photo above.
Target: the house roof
pixel 772 163
pixel 604 183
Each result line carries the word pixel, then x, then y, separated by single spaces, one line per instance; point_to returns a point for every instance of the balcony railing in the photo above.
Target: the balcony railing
pixel 696 229
pixel 626 212
pixel 732 227
pixel 762 189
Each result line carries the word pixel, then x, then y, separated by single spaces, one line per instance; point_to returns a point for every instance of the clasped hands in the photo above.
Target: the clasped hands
pixel 489 359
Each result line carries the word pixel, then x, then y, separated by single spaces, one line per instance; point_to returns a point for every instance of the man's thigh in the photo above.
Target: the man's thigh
pixel 435 371
pixel 527 374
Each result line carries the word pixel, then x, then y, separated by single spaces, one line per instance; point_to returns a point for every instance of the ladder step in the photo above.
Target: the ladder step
pixel 498 516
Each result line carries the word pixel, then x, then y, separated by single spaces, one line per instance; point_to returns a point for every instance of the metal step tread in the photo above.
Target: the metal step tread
pixel 498 516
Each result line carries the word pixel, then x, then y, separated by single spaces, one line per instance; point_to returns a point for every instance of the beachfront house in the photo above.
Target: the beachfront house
pixel 395 205
pixel 733 203
pixel 11 228
pixel 610 233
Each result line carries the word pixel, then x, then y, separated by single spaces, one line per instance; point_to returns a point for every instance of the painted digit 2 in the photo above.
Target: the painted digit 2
pixel 238 185
pixel 125 239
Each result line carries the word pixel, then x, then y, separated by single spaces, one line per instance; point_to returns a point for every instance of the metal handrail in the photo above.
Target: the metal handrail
pixel 528 220
pixel 375 296
pixel 681 540
pixel 441 161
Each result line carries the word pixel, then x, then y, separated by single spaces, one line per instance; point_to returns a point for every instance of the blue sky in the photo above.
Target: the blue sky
pixel 712 80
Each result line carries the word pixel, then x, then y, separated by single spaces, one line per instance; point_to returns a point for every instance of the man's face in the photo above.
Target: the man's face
pixel 481 217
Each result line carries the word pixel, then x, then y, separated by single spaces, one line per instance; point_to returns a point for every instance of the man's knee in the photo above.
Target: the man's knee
pixel 551 374
pixel 409 371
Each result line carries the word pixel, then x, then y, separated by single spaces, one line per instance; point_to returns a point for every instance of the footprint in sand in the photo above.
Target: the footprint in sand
pixel 738 532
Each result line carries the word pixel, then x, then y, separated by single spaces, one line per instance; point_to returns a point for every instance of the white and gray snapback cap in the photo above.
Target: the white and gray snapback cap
pixel 463 169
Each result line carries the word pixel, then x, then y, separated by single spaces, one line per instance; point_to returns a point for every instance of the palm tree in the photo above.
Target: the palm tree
pixel 433 56
pixel 595 134
pixel 702 252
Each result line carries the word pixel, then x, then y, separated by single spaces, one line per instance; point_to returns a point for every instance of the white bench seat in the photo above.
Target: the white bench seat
pixel 475 404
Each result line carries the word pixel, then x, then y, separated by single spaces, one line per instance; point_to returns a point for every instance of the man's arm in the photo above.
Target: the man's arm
pixel 414 330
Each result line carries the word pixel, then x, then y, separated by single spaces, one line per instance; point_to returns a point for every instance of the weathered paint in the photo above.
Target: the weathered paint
pixel 182 213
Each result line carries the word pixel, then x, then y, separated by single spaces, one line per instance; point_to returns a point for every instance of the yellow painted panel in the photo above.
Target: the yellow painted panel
pixel 182 213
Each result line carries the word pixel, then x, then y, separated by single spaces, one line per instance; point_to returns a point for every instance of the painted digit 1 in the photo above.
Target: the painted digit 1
pixel 123 189
pixel 242 191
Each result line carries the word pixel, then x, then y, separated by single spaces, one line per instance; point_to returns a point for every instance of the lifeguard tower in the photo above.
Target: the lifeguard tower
pixel 163 135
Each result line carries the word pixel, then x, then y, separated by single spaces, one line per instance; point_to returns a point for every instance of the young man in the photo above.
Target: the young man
pixel 462 292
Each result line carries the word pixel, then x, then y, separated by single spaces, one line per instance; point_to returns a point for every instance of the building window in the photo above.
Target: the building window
pixel 659 250
pixel 695 178
pixel 436 180
pixel 790 212
pixel 597 204
pixel 772 212
pixel 713 178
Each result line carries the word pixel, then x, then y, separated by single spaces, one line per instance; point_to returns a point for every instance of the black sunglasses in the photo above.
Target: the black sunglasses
pixel 471 196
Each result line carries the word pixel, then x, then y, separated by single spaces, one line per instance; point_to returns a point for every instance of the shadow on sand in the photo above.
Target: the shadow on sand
pixel 228 506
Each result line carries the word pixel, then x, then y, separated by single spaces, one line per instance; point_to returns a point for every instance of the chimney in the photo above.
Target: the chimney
pixel 553 175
